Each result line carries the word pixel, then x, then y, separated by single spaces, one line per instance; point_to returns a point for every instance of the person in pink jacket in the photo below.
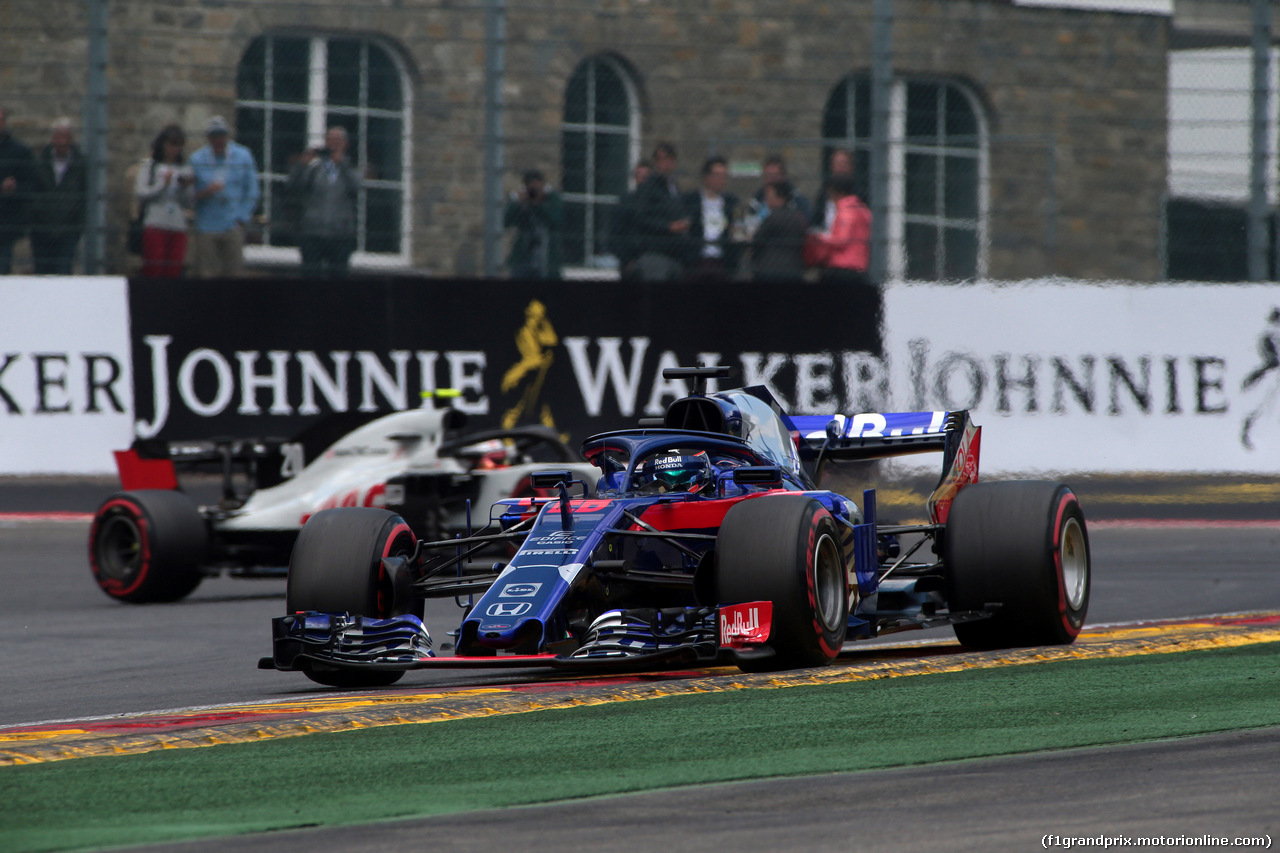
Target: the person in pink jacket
pixel 844 252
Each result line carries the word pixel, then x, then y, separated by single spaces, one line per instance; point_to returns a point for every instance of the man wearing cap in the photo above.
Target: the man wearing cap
pixel 226 194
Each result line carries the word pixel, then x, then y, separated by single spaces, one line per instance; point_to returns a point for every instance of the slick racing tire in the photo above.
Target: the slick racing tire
pixel 786 549
pixel 337 567
pixel 1024 546
pixel 148 546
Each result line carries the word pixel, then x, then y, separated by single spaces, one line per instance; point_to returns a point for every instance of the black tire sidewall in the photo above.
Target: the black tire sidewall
pixel 766 552
pixel 1002 545
pixel 173 540
pixel 336 563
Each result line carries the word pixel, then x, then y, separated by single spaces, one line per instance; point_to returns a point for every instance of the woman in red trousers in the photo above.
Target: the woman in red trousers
pixel 165 191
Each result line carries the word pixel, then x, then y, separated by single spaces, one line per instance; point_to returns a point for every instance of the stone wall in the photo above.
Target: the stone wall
pixel 1076 101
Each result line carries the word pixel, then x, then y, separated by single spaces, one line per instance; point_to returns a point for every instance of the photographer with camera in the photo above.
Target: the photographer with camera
pixel 538 217
pixel 325 190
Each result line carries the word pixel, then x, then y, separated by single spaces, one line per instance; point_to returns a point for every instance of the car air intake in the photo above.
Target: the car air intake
pixel 696 413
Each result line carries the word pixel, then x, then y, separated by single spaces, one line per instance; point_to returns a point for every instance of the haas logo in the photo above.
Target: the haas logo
pixel 375 496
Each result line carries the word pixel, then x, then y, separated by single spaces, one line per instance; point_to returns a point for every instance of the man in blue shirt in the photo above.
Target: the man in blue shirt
pixel 226 194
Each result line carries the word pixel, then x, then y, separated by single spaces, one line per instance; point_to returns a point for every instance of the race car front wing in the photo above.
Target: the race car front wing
pixel 618 639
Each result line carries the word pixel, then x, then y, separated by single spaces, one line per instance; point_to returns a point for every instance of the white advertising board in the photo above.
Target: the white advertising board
pixel 66 388
pixel 1096 377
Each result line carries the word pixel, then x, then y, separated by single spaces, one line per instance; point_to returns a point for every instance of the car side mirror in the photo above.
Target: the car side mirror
pixel 550 479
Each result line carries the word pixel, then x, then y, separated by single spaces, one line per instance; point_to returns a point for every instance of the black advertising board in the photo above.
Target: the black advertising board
pixel 269 357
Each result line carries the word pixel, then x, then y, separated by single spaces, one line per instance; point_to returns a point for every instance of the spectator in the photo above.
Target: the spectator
pixel 622 236
pixel 774 169
pixel 58 202
pixel 226 194
pixel 824 209
pixel 165 190
pixel 711 212
pixel 777 246
pixel 325 190
pixel 16 176
pixel 538 217
pixel 845 251
pixel 661 224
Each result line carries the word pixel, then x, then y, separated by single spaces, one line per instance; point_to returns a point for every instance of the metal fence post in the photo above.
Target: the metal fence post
pixel 495 32
pixel 1259 250
pixel 881 104
pixel 95 138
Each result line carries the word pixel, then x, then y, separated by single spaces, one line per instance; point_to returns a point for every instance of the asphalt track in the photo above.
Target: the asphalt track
pixel 70 653
pixel 72 648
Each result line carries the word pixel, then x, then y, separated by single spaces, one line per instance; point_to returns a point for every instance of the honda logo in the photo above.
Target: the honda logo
pixel 503 608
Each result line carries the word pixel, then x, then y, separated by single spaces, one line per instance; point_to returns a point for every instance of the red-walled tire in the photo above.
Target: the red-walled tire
pixel 148 546
pixel 1025 546
pixel 337 567
pixel 786 549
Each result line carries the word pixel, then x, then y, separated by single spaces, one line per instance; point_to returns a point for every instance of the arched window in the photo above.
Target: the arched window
pixel 289 89
pixel 599 143
pixel 937 169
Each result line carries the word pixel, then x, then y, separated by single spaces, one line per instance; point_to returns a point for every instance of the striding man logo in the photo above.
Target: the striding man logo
pixel 536 342
pixel 1268 369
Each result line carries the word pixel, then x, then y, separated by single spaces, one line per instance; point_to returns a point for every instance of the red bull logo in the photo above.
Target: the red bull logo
pixel 745 624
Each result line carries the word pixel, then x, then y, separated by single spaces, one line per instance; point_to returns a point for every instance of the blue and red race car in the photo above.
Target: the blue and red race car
pixel 704 539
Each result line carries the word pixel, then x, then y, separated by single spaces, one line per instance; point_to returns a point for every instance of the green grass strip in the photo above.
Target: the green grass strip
pixel 545 756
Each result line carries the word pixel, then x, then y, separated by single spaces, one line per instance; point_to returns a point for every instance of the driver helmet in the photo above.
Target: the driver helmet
pixel 676 471
pixel 487 454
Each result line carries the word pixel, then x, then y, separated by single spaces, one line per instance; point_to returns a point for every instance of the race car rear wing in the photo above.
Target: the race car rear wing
pixel 882 435
pixel 876 435
pixel 244 464
pixel 153 464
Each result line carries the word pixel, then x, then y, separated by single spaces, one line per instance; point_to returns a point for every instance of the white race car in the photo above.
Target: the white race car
pixel 153 542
